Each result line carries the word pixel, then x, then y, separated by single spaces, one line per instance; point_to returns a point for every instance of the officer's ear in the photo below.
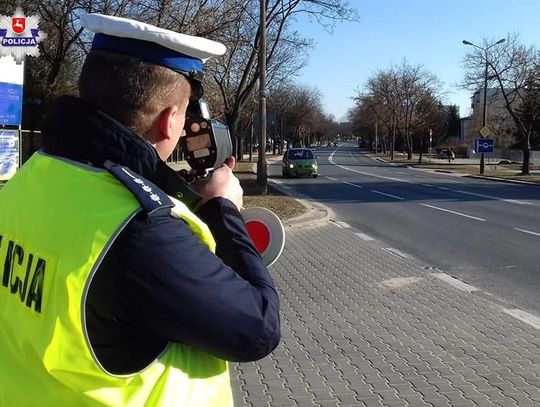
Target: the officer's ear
pixel 160 129
pixel 167 123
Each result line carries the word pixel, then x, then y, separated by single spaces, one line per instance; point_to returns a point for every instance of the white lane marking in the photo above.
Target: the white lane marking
pixel 373 175
pixel 391 196
pixel 460 285
pixel 331 158
pixel 353 185
pixel 427 185
pixel 364 236
pixel 333 179
pixel 517 201
pixel 514 201
pixel 444 189
pixel 396 252
pixel 277 181
pixel 447 181
pixel 454 212
pixel 523 316
pixel 527 231
pixel 340 224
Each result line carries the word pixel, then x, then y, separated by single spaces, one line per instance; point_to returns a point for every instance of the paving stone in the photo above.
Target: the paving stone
pixel 255 390
pixel 482 401
pixel 415 400
pixel 281 398
pixel 522 399
pixel 304 401
pixel 340 388
pixel 388 396
pixel 371 402
pixel 346 398
pixel 348 340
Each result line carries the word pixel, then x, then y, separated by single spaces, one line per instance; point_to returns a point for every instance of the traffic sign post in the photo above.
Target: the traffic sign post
pixel 484 132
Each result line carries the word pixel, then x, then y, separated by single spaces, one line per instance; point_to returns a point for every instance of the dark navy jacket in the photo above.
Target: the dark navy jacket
pixel 159 283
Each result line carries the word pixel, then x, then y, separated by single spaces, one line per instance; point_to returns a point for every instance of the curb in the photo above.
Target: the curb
pixel 458 174
pixel 512 181
pixel 486 177
pixel 316 215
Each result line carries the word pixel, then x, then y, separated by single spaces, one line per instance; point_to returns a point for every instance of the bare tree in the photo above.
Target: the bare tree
pixel 417 97
pixel 301 115
pixel 55 70
pixel 237 74
pixel 234 22
pixel 515 69
pixel 371 119
pixel 404 98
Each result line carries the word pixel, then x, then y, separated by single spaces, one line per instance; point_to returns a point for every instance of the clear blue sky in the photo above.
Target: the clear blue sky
pixel 427 32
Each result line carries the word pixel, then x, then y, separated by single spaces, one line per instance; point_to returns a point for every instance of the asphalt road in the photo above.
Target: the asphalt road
pixel 485 233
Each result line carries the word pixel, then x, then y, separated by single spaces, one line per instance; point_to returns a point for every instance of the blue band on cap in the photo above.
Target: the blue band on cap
pixel 151 52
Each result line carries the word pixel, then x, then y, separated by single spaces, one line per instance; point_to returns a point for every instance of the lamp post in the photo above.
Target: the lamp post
pixel 484 115
pixel 262 171
pixel 394 120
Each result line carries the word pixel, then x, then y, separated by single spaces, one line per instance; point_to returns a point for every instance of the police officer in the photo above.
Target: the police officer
pixel 119 285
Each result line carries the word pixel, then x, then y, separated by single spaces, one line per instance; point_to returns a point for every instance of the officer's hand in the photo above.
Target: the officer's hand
pixel 223 183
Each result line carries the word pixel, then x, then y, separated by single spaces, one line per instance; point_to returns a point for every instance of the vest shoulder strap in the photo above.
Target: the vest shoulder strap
pixel 150 196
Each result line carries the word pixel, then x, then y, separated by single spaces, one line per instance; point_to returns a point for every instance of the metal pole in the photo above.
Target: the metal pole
pixel 484 115
pixel 376 137
pixel 251 140
pixel 262 175
pixel 393 142
pixel 430 142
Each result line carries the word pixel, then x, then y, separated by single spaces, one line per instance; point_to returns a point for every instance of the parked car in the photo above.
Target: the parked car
pixel 299 162
pixel 446 154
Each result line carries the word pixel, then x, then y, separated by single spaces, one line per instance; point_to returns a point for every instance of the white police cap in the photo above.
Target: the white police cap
pixel 182 53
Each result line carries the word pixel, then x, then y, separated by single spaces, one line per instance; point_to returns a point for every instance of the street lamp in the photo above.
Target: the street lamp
pixel 482 165
pixel 262 171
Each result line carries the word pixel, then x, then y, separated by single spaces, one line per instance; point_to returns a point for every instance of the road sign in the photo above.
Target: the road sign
pixel 484 131
pixel 484 145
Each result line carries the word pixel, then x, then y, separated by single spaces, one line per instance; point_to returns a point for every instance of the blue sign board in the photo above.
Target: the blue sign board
pixel 11 97
pixel 9 153
pixel 484 145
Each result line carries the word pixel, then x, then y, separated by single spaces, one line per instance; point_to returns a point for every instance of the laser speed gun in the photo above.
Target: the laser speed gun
pixel 207 145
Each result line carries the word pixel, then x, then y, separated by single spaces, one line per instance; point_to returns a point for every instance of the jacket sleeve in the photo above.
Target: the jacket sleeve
pixel 175 288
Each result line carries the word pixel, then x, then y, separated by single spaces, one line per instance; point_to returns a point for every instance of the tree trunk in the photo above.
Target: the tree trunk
pixel 233 123
pixel 526 155
pixel 409 142
pixel 240 152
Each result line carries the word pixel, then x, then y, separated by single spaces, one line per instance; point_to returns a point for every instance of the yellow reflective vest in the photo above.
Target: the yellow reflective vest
pixel 57 221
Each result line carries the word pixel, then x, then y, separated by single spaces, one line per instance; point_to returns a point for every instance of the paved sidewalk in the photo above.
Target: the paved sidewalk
pixel 363 325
